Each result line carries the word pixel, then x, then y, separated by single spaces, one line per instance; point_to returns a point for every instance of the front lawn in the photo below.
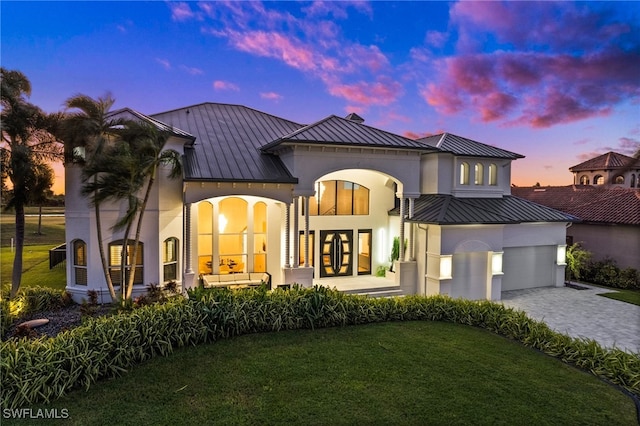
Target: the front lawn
pixel 405 373
pixel 629 296
pixel 35 267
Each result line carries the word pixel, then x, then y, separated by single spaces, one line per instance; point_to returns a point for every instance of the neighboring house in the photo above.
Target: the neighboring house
pixel 610 218
pixel 610 169
pixel 323 202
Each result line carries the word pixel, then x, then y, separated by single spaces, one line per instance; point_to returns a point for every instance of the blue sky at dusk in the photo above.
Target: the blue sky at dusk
pixel 556 82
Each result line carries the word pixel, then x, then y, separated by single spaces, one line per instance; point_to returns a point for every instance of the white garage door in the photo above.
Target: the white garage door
pixel 528 267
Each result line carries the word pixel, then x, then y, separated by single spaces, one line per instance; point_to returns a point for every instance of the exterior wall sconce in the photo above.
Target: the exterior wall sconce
pixel 561 255
pixel 446 266
pixel 496 263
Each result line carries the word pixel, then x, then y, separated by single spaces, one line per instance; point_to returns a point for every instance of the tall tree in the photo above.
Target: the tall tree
pixel 88 131
pixel 41 191
pixel 26 140
pixel 146 143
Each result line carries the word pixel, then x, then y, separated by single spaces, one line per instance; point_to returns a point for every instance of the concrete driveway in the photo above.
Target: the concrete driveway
pixel 581 313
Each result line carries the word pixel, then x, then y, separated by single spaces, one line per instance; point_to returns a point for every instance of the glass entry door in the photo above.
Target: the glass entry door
pixel 336 250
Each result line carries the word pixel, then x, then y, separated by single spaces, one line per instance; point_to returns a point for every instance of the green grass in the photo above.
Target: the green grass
pixel 392 373
pixel 629 296
pixel 35 268
pixel 52 230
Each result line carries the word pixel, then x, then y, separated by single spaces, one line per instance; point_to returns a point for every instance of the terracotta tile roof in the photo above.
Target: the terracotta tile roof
pixel 589 203
pixel 458 145
pixel 448 210
pixel 608 161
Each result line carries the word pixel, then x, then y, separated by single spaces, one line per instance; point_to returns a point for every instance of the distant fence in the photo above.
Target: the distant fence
pixel 57 255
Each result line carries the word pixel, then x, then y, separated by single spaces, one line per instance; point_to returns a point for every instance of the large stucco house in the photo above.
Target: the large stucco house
pixel 321 203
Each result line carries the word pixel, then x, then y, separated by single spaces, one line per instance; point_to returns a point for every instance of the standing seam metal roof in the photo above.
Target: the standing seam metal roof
pixel 341 131
pixel 458 145
pixel 449 210
pixel 228 142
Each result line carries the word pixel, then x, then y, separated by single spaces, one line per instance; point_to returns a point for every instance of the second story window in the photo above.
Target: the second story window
pixel 478 174
pixel 464 173
pixel 493 174
pixel 339 197
pixel 598 180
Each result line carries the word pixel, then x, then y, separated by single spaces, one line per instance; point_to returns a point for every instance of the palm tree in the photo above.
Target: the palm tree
pixel 28 140
pixel 88 131
pixel 146 143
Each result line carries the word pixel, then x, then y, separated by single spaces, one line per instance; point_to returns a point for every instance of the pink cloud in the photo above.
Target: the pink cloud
pixel 556 63
pixel 275 45
pixel 181 11
pixel 272 96
pixel 191 70
pixel 225 85
pixel 164 62
pixel 378 93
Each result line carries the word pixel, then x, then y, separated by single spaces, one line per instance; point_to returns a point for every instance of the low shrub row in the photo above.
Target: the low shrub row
pixel 43 369
pixel 607 273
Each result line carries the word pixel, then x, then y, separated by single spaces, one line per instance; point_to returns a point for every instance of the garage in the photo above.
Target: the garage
pixel 529 267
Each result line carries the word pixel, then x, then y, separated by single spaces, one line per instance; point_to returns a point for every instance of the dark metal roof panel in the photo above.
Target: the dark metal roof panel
pixel 340 131
pixel 130 114
pixel 449 210
pixel 228 142
pixel 458 145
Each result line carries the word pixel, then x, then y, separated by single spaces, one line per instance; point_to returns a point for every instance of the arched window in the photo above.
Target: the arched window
pixel 170 259
pixel 115 262
pixel 205 237
pixel 633 181
pixel 232 237
pixel 339 197
pixel 619 180
pixel 493 174
pixel 260 237
pixel 478 174
pixel 598 180
pixel 464 173
pixel 80 262
pixel 584 180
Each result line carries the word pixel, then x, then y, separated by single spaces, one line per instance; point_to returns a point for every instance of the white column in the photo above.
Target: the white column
pixel 287 236
pixel 402 213
pixel 306 231
pixel 187 239
pixel 296 232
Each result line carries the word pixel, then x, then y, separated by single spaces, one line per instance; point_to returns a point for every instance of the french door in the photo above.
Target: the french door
pixel 336 253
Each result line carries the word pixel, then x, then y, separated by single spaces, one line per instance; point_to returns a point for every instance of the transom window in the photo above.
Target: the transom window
pixel 339 197
pixel 170 259
pixel 80 262
pixel 115 262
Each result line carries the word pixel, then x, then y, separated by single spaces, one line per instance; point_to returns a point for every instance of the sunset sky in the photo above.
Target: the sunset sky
pixel 556 82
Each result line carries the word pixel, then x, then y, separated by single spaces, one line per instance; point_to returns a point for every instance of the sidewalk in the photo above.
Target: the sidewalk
pixel 581 313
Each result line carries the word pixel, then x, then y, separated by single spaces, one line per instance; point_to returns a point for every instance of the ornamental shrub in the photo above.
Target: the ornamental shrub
pixel 40 370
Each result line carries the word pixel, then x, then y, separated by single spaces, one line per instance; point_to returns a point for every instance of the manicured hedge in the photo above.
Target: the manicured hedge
pixel 607 273
pixel 43 369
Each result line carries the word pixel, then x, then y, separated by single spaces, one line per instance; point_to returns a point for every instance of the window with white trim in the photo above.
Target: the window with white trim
pixel 80 262
pixel 170 259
